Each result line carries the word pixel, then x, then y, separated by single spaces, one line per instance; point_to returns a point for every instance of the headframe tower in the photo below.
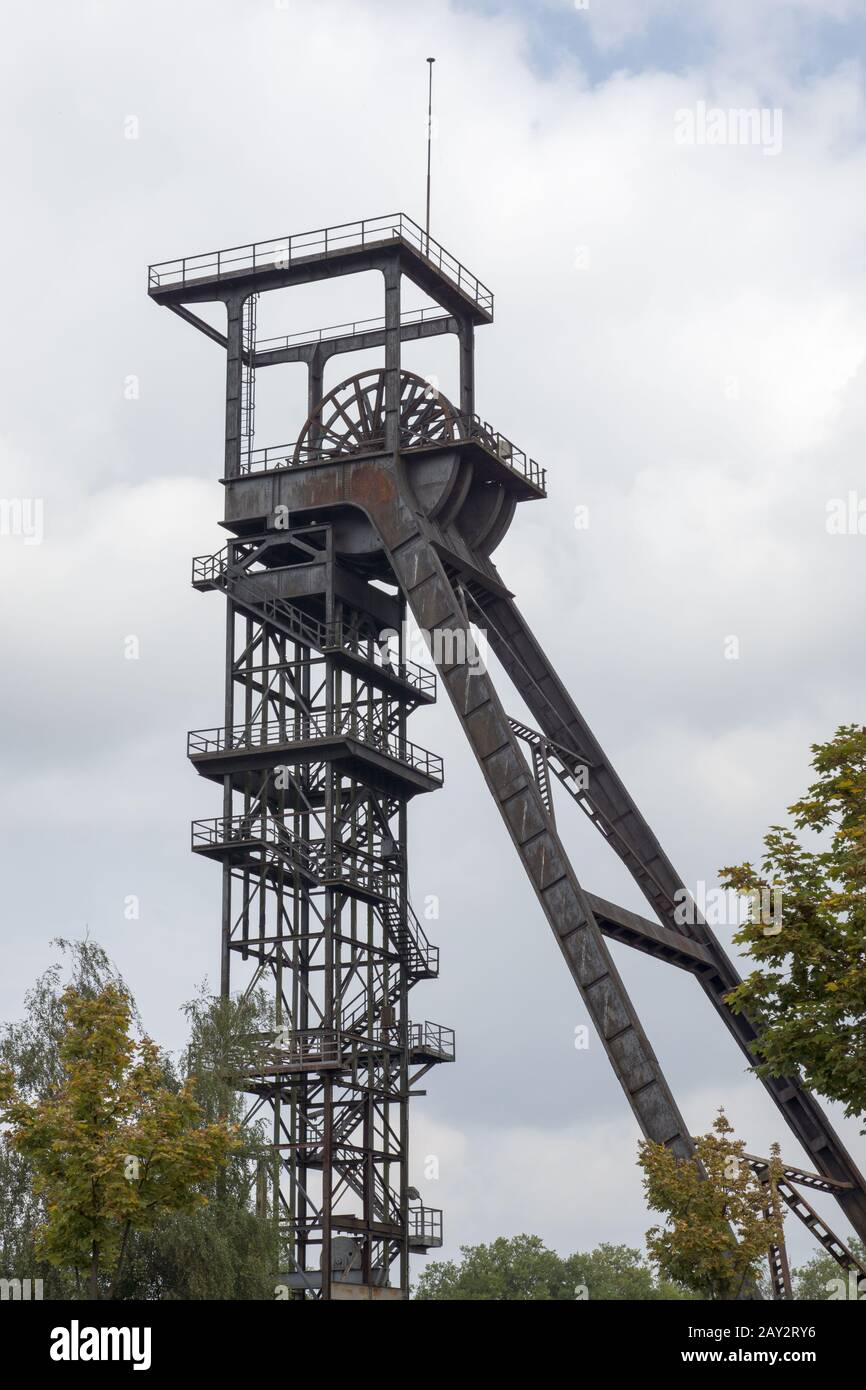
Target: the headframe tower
pixel 393 498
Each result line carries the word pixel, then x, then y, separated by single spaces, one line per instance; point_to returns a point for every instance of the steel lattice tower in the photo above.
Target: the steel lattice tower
pixel 392 499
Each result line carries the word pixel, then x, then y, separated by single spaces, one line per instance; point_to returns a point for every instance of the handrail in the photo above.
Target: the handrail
pixel 344 330
pixel 504 448
pixel 421 956
pixel 301 728
pixel 274 457
pixel 326 637
pixel 425 1223
pixel 282 252
pixel 326 1045
pixel 344 862
pixel 209 567
pixel 299 1047
pixel 421 949
pixel 433 1037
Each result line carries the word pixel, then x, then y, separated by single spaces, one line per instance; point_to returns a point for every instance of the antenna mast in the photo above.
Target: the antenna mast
pixel 430 62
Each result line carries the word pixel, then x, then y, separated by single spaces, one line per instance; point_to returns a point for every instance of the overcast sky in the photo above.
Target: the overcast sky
pixel 679 339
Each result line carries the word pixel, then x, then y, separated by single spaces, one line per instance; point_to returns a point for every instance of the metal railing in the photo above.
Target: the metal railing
pixel 431 1038
pixel 422 957
pixel 321 1046
pixel 506 451
pixel 422 961
pixel 376 654
pixel 310 1047
pixel 302 728
pixel 273 456
pixel 279 456
pixel 333 1047
pixel 425 1225
pixel 281 253
pixel 325 637
pixel 209 568
pixel 340 863
pixel 434 1038
pixel 346 330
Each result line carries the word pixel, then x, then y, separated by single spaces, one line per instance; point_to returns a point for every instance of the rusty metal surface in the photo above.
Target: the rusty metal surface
pixel 317 526
pixel 617 816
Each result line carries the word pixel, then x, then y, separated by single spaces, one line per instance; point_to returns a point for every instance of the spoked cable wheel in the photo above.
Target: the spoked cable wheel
pixel 351 418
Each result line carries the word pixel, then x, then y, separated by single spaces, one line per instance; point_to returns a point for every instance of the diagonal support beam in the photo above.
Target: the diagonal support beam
pixel 818 1227
pixel 801 1176
pixel 437 610
pixel 618 818
pixel 189 317
pixel 622 924
pixel 379 486
pixel 815 1224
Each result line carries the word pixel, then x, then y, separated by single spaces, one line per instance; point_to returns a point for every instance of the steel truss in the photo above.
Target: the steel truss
pixel 317 772
pixel 392 501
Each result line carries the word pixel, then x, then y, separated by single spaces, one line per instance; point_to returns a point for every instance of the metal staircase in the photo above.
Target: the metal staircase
pixel 217 571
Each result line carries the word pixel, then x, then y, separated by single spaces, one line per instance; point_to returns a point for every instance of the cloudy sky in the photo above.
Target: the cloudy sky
pixel 679 339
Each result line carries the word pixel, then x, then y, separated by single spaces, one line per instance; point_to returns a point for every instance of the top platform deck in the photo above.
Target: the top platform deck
pixel 316 255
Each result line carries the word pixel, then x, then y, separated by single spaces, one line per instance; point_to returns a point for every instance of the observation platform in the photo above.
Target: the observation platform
pixel 331 1050
pixel 496 457
pixel 405 680
pixel 303 257
pixel 244 839
pixel 380 758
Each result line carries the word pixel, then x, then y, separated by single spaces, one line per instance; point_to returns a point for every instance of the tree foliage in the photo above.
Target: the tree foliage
pixel 29 1048
pixel 522 1268
pixel 716 1236
pixel 808 996
pixel 227 1249
pixel 112 1145
pixel 617 1272
pixel 819 1278
pixel 223 1249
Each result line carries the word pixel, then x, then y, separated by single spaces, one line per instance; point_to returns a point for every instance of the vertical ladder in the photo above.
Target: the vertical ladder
pixel 542 777
pixel 248 381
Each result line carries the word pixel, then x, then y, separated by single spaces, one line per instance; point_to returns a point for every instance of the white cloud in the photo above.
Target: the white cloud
pixel 705 267
pixel 577 1185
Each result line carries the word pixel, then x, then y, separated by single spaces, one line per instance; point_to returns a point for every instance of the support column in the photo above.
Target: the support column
pixel 228 720
pixel 466 338
pixel 392 357
pixel 234 379
pixel 315 392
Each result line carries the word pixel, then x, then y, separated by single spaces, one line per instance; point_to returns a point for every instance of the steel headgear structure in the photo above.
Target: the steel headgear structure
pixel 392 498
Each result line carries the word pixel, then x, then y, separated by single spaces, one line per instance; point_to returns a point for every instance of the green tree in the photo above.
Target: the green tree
pixel 716 1236
pixel 818 1279
pixel 522 1268
pixel 29 1047
pixel 226 1249
pixel 112 1146
pixel 808 995
pixel 222 1250
pixel 618 1272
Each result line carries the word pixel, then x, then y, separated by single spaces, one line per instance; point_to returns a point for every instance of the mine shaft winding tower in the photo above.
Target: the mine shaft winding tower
pixel 391 499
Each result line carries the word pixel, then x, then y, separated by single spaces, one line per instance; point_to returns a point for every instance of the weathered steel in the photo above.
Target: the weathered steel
pixel 388 481
pixel 621 924
pixel 304 257
pixel 614 812
pixel 787 1186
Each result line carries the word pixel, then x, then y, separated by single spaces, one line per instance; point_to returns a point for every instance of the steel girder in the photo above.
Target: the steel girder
pixel 615 813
